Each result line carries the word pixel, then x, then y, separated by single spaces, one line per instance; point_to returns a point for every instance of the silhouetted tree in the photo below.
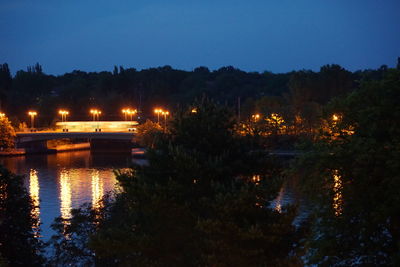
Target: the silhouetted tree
pixel 5 84
pixel 352 178
pixel 19 242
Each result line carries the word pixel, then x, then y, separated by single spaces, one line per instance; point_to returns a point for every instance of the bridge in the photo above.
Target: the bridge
pixel 102 136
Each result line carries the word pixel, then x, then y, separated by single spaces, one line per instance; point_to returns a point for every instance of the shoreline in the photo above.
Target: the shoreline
pixel 61 148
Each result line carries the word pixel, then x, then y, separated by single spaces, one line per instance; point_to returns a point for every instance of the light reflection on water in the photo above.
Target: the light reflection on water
pixel 63 181
pixel 337 190
pixel 34 193
pixel 278 202
pixel 65 194
pixel 97 189
pixel 60 182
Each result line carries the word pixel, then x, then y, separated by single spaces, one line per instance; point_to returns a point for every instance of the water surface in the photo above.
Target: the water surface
pixel 59 182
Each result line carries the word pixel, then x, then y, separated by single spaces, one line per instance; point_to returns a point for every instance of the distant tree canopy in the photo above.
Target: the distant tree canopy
pixel 165 86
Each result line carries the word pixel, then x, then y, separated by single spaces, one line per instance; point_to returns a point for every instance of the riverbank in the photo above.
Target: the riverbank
pixel 59 148
pixel 13 152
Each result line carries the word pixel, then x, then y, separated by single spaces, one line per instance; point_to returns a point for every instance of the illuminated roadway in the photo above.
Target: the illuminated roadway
pixel 47 135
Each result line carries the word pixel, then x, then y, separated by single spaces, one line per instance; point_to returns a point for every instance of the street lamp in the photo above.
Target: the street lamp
pixel 255 117
pixel 165 113
pixel 2 115
pixel 95 112
pixel 335 117
pixel 158 111
pixel 131 113
pixel 125 111
pixel 32 114
pixel 64 114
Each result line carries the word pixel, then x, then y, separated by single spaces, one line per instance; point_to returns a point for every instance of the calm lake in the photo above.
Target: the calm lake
pixel 63 181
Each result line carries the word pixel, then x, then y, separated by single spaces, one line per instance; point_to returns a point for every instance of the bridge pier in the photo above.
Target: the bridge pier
pixel 104 142
pixel 109 145
pixel 35 146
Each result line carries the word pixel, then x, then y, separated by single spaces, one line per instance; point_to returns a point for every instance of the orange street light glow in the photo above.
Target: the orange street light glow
pixel 165 113
pixel 158 111
pixel 335 117
pixel 32 114
pixel 64 114
pixel 2 115
pixel 95 112
pixel 256 117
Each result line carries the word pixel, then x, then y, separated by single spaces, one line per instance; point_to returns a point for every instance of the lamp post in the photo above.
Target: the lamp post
pixel 96 112
pixel 255 117
pixel 125 111
pixel 131 113
pixel 335 117
pixel 158 111
pixel 64 114
pixel 32 114
pixel 165 113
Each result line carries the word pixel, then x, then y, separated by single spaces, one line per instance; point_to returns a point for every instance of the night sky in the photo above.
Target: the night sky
pixel 253 35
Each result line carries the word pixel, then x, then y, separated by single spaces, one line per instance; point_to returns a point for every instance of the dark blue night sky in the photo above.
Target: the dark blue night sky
pixel 253 35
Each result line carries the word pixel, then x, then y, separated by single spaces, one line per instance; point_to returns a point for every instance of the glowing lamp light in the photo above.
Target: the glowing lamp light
pixel 129 112
pixel 255 117
pixel 95 112
pixel 64 114
pixel 32 114
pixel 158 111
pixel 335 117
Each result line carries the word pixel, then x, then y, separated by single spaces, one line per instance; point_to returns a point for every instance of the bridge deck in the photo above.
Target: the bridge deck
pixel 41 136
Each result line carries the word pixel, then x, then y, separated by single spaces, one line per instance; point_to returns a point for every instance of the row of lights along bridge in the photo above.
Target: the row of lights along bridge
pixel 96 114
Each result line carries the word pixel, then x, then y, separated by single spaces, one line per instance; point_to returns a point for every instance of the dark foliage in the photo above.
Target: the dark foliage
pixel 19 245
pixel 352 177
pixel 195 204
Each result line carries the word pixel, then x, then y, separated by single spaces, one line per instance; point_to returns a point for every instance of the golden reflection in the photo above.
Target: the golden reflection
pixel 34 190
pixel 65 194
pixel 34 194
pixel 278 201
pixel 97 190
pixel 337 190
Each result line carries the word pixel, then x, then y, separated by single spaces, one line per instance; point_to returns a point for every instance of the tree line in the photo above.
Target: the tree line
pixel 300 91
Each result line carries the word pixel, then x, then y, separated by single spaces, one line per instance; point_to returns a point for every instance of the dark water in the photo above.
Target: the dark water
pixel 62 181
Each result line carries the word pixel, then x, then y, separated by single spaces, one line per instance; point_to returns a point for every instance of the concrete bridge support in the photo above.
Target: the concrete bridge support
pixel 109 145
pixel 34 146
